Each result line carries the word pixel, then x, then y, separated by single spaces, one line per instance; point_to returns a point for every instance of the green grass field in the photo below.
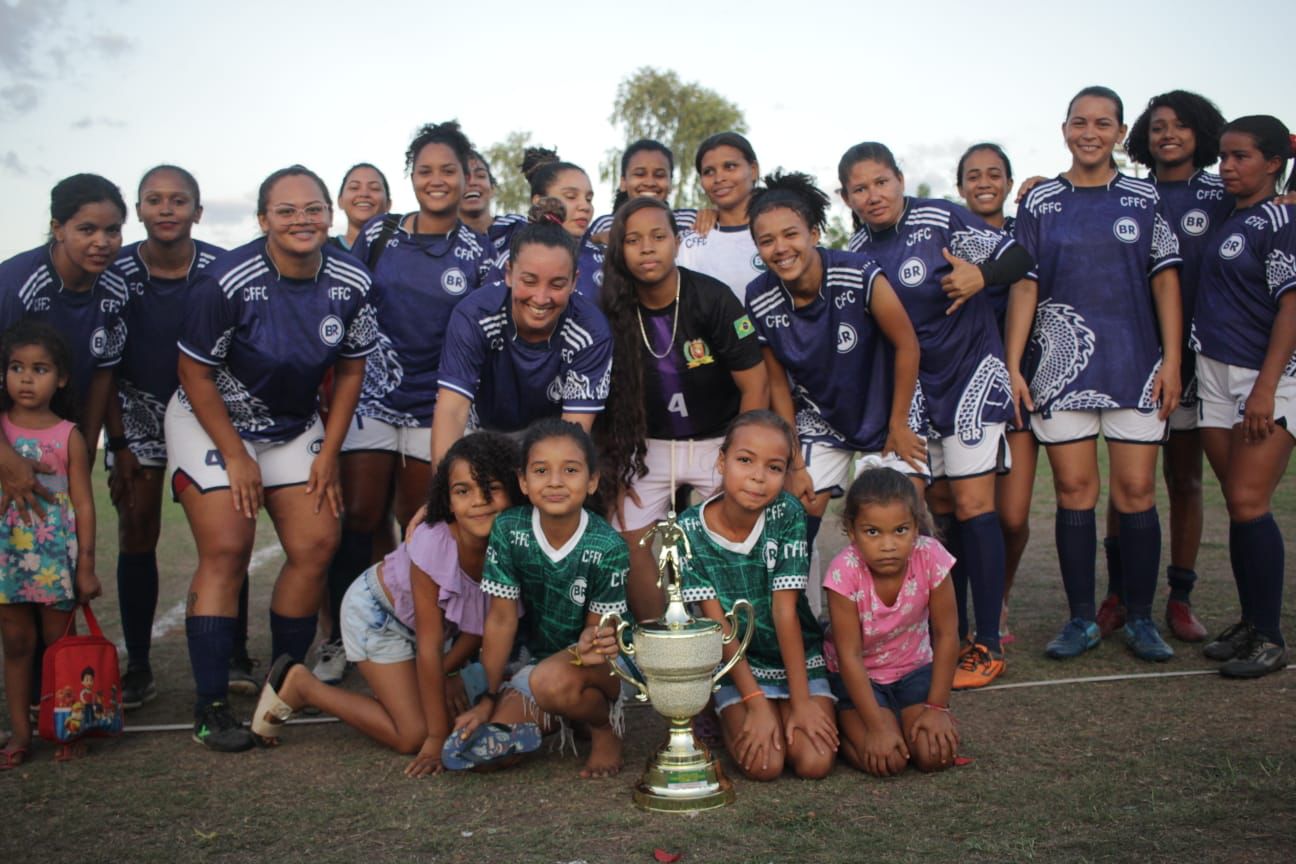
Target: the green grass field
pixel 1194 768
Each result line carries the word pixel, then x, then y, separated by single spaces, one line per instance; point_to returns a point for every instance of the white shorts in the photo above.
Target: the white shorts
pixel 951 459
pixel 830 467
pixel 191 452
pixel 1184 418
pixel 1222 391
pixel 1122 425
pixel 368 434
pixel 685 462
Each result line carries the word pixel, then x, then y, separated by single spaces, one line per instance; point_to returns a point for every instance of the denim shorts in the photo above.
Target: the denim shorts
pixel 370 629
pixel 521 679
pixel 729 695
pixel 912 689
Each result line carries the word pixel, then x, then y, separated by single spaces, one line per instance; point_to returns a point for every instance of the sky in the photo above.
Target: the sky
pixel 234 90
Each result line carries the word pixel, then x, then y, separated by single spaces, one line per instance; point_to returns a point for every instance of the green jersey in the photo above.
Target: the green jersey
pixel 774 557
pixel 557 587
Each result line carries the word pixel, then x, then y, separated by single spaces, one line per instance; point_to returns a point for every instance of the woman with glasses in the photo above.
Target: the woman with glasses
pixel 243 431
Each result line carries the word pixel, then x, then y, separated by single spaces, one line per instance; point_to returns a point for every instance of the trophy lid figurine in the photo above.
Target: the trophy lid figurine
pixel 678 656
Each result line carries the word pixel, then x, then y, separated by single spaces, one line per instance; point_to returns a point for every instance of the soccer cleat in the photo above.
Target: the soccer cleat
pixel 1261 658
pixel 1183 623
pixel 1111 615
pixel 977 668
pixel 137 688
pixel 332 663
pixel 242 679
pixel 1233 642
pixel 216 728
pixel 1143 638
pixel 1076 637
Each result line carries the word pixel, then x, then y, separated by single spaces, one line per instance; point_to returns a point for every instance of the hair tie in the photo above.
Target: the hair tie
pixel 553 217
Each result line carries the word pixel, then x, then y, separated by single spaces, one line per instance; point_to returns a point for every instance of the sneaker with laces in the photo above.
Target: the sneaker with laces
pixel 216 728
pixel 1076 637
pixel 1143 638
pixel 242 679
pixel 331 665
pixel 1261 658
pixel 1183 623
pixel 1111 615
pixel 137 687
pixel 1233 642
pixel 977 668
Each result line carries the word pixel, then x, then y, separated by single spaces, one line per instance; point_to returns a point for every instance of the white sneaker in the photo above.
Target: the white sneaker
pixel 332 663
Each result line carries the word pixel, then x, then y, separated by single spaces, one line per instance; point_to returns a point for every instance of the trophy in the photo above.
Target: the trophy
pixel 678 656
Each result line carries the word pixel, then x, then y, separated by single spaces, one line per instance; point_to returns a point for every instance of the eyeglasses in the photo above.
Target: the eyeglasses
pixel 311 213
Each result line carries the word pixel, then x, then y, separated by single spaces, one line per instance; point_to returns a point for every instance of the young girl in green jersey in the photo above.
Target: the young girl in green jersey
pixel 749 541
pixel 567 567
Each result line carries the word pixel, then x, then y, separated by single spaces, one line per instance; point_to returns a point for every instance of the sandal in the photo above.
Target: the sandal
pixel 12 757
pixel 271 711
pixel 488 743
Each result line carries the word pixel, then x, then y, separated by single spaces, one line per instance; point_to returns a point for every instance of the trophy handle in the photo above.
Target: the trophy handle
pixel 732 617
pixel 628 650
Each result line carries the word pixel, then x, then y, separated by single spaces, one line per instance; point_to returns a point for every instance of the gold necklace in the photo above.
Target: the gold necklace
pixel 674 324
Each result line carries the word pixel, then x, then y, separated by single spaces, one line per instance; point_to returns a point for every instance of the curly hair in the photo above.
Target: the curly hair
pixel 490 456
pixel 1196 112
pixel 447 133
pixel 793 191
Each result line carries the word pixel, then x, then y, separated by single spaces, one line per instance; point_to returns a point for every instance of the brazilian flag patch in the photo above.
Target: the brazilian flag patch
pixel 744 327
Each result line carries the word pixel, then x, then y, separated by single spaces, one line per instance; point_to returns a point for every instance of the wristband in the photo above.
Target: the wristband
pixel 492 695
pixel 753 695
pixel 117 442
pixel 932 706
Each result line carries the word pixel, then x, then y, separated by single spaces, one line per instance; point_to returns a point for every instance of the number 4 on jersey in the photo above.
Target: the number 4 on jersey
pixel 676 405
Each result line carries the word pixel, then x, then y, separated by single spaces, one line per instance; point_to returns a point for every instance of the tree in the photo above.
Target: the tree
pixel 512 191
pixel 658 105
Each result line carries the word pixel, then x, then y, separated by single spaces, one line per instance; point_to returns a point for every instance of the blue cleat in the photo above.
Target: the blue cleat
pixel 1076 637
pixel 1143 638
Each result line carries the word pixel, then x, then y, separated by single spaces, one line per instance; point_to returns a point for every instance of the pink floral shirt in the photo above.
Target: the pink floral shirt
pixel 894 639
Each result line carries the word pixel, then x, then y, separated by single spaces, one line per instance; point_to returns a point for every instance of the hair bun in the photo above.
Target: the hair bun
pixel 534 158
pixel 548 210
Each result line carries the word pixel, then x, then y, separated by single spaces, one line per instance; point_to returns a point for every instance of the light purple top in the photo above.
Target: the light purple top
pixel 433 549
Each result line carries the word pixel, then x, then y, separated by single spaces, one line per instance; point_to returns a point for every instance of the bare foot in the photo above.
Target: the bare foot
pixel 605 754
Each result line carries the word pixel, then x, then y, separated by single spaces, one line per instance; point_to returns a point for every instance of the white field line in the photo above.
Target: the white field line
pixel 1096 679
pixel 170 619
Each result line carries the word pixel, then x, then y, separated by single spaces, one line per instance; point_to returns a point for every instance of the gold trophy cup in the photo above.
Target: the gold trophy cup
pixel 678 655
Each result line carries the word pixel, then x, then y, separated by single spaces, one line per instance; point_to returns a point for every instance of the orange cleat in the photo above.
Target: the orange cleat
pixel 977 668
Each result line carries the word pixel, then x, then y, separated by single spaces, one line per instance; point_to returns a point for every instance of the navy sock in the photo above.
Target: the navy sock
pixel 1140 551
pixel 983 550
pixel 1181 583
pixel 1235 559
pixel 947 529
pixel 354 552
pixel 812 529
pixel 1261 555
pixel 137 595
pixel 1115 574
pixel 241 631
pixel 211 641
pixel 291 636
pixel 1076 534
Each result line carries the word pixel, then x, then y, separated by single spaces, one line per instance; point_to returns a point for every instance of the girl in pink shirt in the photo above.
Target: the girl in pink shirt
pixel 890 670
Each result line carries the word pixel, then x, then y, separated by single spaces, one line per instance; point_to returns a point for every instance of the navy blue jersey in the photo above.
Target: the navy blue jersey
pixel 962 374
pixel 502 228
pixel 1096 337
pixel 589 268
pixel 841 366
pixel 1248 264
pixel 271 337
pixel 998 294
pixel 417 282
pixel 513 382
pixel 1193 207
pixel 155 317
pixel 685 217
pixel 91 321
pixel 689 392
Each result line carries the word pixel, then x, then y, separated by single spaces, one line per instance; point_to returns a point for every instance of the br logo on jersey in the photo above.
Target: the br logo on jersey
pixel 577 591
pixel 331 330
pixel 847 338
pixel 757 264
pixel 770 554
pixel 913 272
pixel 99 342
pixel 1232 246
pixel 1126 230
pixel 454 281
pixel 1195 222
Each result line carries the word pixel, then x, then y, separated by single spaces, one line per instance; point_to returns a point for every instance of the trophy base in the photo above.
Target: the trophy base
pixel 683 780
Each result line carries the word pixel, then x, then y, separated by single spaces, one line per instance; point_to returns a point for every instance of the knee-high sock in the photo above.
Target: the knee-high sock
pixel 1261 556
pixel 1115 572
pixel 1140 552
pixel 211 643
pixel 1181 582
pixel 948 529
pixel 349 561
pixel 292 636
pixel 983 564
pixel 137 595
pixel 1076 532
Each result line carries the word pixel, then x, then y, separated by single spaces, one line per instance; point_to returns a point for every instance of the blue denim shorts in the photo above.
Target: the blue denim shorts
pixel 370 629
pixel 729 695
pixel 912 689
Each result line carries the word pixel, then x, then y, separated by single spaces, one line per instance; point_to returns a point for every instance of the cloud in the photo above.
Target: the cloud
pixel 38 42
pixel 12 164
pixel 111 44
pixel 20 25
pixel 110 122
pixel 19 98
pixel 228 211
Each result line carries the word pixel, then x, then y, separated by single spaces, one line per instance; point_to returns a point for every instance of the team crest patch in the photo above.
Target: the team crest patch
pixel 847 338
pixel 454 281
pixel 757 264
pixel 577 592
pixel 331 330
pixel 697 353
pixel 744 327
pixel 1126 230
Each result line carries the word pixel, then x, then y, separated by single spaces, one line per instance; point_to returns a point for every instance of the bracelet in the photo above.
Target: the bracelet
pixel 753 695
pixel 492 695
pixel 932 706
pixel 453 673
pixel 117 442
pixel 576 658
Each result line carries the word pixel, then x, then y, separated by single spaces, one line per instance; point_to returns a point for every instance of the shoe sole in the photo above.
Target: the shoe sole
pixel 244 687
pixel 241 749
pixel 131 705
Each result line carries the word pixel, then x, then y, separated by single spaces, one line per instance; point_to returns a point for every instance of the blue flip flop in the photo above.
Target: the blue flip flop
pixel 488 743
